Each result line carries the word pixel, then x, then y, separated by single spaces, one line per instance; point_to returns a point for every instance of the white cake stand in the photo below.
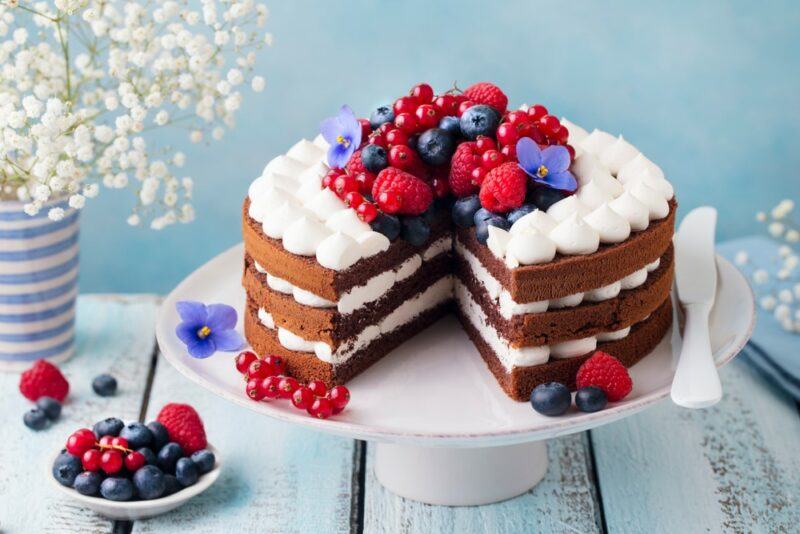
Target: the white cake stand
pixel 445 431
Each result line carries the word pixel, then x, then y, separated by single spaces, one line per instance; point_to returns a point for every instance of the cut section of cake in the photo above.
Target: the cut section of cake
pixel 548 242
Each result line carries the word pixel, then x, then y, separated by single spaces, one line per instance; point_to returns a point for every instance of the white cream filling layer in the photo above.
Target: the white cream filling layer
pixel 434 295
pixel 371 291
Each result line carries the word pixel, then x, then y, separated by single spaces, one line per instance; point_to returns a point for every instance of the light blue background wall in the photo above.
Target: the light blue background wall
pixel 708 90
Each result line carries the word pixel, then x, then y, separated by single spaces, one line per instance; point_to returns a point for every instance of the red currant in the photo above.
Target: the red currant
pixel 426 116
pixel 339 397
pixel 332 174
pixel 287 386
pixel 571 150
pixel 483 143
pixel 446 105
pixel 253 390
pixel 258 369
pixel 406 122
pixel 322 408
pixel 367 212
pixel 517 116
pixel 80 442
pixel 537 111
pixel 318 388
pixel 365 181
pixel 105 441
pixel 441 187
pixel 366 129
pixel 478 174
pixel 354 199
pixel 111 461
pixel 402 157
pixel 378 138
pixel 491 159
pixel 396 137
pixel 244 359
pixel 422 92
pixel 387 127
pixel 561 135
pixel 507 134
pixel 134 461
pixel 464 106
pixel 269 387
pixel 276 363
pixel 91 459
pixel 528 129
pixel 405 104
pixel 509 152
pixel 549 125
pixel 344 184
pixel 119 442
pixel 390 203
pixel 302 398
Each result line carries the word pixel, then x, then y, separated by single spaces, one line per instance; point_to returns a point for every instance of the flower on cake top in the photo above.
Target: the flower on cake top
pixel 207 329
pixel 343 134
pixel 548 167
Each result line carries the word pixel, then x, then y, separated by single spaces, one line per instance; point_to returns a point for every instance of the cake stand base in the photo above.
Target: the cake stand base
pixel 460 477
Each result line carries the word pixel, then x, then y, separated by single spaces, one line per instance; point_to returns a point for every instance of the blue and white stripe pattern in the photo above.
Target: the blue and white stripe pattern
pixel 38 284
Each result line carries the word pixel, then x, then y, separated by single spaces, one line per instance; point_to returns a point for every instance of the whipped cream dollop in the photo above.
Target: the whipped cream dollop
pixel 594 195
pixel 536 220
pixel 567 207
pixel 597 142
pixel 574 236
pixel 338 251
pixel 654 200
pixel 610 225
pixel 530 248
pixel 303 236
pixel 636 213
pixel 618 154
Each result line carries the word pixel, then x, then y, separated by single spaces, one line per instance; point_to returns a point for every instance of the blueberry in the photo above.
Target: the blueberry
pixel 171 485
pixel 464 211
pixel 482 215
pixel 149 482
pixel 416 231
pixel 479 120
pixel 436 146
pixel 413 141
pixel 50 407
pixel 381 115
pixel 108 427
pixel 117 489
pixel 388 225
pixel 160 435
pixel 137 435
pixel 451 125
pixel 186 472
pixel 591 399
pixel 520 212
pixel 482 228
pixel 204 460
pixel 35 419
pixel 104 385
pixel 168 456
pixel 374 158
pixel 430 214
pixel 149 456
pixel 544 197
pixel 66 467
pixel 88 483
pixel 552 398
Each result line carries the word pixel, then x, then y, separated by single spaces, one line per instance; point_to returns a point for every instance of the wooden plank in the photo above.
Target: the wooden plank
pixel 114 335
pixel 731 468
pixel 276 477
pixel 565 501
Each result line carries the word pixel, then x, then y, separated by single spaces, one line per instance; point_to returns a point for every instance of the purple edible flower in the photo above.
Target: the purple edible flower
pixel 207 329
pixel 549 167
pixel 343 133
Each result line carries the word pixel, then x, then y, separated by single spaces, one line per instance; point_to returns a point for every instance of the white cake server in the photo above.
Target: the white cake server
pixel 696 383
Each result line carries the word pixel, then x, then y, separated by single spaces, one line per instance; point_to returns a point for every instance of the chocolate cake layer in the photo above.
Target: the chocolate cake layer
pixel 586 319
pixel 327 324
pixel 567 275
pixel 306 273
pixel 519 383
pixel 305 366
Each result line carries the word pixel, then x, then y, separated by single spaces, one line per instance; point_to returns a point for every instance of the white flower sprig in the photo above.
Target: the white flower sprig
pixel 778 288
pixel 85 82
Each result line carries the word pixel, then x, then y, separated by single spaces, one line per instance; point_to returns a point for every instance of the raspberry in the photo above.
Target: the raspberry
pixel 607 373
pixel 504 188
pixel 43 380
pixel 184 426
pixel 415 195
pixel 355 166
pixel 465 159
pixel 489 94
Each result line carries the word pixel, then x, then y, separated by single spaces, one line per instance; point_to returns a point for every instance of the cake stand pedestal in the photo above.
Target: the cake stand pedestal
pixel 444 431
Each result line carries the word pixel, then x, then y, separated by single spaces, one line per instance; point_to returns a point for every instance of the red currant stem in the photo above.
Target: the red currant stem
pixel 114 447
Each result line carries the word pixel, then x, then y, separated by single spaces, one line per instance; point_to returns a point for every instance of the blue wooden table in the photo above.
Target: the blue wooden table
pixel 732 468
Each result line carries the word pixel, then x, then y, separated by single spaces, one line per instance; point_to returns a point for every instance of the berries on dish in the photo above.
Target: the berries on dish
pixel 607 373
pixel 35 419
pixel 104 385
pixel 50 406
pixel 43 379
pixel 552 399
pixel 184 426
pixel 590 399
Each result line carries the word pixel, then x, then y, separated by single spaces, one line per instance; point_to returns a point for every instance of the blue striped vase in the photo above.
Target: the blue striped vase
pixel 38 285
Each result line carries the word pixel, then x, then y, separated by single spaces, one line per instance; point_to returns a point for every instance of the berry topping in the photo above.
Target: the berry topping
pixel 184 426
pixel 451 125
pixel 426 116
pixel 414 194
pixel 375 158
pixel 422 93
pixel 520 212
pixel 416 230
pixel 381 115
pixel 489 94
pixel 367 212
pixel 544 197
pixel 482 226
pixel 43 379
pixel 591 399
pixel 466 158
pixel 104 385
pixel 504 188
pixel 464 211
pixel 479 120
pixel 405 104
pixel 607 373
pixel 406 122
pixel 111 461
pixel 388 225
pixel 436 146
pixel 551 399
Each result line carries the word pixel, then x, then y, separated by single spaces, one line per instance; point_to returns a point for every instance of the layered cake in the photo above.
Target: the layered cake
pixel 547 241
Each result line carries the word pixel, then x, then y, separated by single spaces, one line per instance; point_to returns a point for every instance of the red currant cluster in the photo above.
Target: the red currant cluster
pixel 266 380
pixel 110 454
pixel 535 123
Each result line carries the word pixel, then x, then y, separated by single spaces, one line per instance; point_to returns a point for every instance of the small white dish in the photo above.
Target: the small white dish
pixel 132 510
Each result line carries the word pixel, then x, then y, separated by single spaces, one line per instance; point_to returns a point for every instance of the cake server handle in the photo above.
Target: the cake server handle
pixel 696 383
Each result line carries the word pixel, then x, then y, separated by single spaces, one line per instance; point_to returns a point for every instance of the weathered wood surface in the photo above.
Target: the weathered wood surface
pixel 564 501
pixel 115 335
pixel 732 468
